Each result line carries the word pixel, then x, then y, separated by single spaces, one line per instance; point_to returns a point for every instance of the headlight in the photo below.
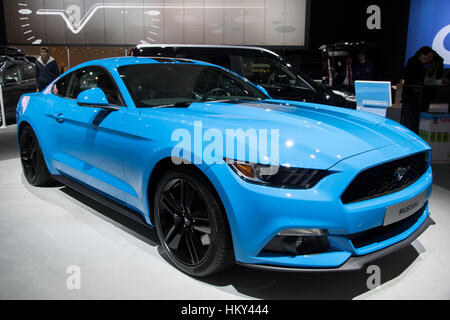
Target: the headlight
pixel 278 176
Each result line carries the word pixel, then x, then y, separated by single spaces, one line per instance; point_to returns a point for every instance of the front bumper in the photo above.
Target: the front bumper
pixel 353 263
pixel 256 214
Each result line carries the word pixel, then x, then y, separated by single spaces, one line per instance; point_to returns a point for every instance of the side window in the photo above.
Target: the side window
pixel 13 72
pixel 269 72
pixel 223 61
pixel 303 84
pixel 214 82
pixel 60 86
pixel 92 77
pixel 28 71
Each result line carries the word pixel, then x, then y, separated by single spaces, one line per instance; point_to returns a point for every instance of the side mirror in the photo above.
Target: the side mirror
pixel 94 98
pixel 261 88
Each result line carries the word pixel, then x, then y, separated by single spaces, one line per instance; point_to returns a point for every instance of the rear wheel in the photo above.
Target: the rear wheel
pixel 191 225
pixel 33 163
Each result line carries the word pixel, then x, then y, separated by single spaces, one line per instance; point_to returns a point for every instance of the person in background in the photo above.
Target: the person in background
pixel 364 68
pixel 425 68
pixel 46 69
pixel 346 72
pixel 424 71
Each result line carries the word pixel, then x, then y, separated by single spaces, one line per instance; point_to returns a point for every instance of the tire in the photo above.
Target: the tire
pixel 192 228
pixel 33 163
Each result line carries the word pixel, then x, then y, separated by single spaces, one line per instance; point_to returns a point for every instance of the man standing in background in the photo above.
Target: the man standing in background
pixel 46 69
pixel 345 74
pixel 364 68
pixel 424 71
pixel 425 68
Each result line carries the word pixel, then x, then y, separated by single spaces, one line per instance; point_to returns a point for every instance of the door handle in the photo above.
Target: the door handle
pixel 59 117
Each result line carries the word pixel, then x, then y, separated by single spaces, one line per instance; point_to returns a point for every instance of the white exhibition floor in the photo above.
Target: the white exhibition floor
pixel 43 231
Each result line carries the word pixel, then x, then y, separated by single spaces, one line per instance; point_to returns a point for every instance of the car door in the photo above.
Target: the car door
pixel 89 140
pixel 12 78
pixel 29 77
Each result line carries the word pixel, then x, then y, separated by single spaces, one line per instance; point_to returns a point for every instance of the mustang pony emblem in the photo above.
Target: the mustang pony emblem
pixel 400 172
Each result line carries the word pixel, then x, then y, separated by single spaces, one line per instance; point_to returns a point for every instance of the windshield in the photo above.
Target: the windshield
pixel 170 84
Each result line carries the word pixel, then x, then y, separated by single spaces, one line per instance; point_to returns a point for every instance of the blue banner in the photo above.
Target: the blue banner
pixel 429 25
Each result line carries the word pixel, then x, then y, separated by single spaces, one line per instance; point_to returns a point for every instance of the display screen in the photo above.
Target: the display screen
pixel 129 22
pixel 429 25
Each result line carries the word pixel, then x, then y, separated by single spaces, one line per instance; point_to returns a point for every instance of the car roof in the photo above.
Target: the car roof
pixel 205 46
pixel 13 59
pixel 124 61
pixel 10 51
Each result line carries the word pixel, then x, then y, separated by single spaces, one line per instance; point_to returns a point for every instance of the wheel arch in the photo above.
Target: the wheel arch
pixel 42 143
pixel 22 125
pixel 166 164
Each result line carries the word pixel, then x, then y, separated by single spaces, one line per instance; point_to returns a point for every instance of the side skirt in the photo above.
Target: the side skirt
pixel 90 193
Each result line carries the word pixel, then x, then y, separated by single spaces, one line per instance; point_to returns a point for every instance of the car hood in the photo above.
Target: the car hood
pixel 310 135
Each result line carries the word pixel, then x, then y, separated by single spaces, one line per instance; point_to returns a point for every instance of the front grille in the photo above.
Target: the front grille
pixel 382 233
pixel 386 178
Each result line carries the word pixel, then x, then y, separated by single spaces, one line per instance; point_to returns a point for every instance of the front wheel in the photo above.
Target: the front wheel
pixel 191 225
pixel 33 163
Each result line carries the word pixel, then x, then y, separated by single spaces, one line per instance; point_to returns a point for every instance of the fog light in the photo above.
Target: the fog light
pixel 292 244
pixel 298 245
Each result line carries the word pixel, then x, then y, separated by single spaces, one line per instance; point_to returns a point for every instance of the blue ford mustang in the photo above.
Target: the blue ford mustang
pixel 333 190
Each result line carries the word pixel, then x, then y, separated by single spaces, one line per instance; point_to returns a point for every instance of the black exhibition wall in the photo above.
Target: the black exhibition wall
pixel 360 20
pixel 2 25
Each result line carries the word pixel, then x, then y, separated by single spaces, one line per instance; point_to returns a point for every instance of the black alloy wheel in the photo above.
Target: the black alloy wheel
pixel 33 163
pixel 191 226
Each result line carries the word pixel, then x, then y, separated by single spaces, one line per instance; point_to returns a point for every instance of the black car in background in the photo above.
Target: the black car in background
pixel 11 51
pixel 17 76
pixel 259 65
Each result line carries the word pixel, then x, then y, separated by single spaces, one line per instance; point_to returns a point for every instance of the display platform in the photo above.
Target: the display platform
pixel 48 234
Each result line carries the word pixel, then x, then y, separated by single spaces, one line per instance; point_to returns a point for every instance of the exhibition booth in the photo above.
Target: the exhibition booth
pixel 224 150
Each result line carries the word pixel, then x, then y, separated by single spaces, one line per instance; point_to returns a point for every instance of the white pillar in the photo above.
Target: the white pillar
pixel 2 106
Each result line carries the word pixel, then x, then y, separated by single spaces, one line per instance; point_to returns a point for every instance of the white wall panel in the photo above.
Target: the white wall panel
pixel 127 22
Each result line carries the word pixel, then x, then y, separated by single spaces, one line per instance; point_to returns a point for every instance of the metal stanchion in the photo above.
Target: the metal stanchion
pixel 2 107
pixel 68 58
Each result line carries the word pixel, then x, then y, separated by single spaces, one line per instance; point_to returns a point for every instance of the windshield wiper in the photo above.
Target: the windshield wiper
pixel 182 104
pixel 237 99
pixel 185 104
